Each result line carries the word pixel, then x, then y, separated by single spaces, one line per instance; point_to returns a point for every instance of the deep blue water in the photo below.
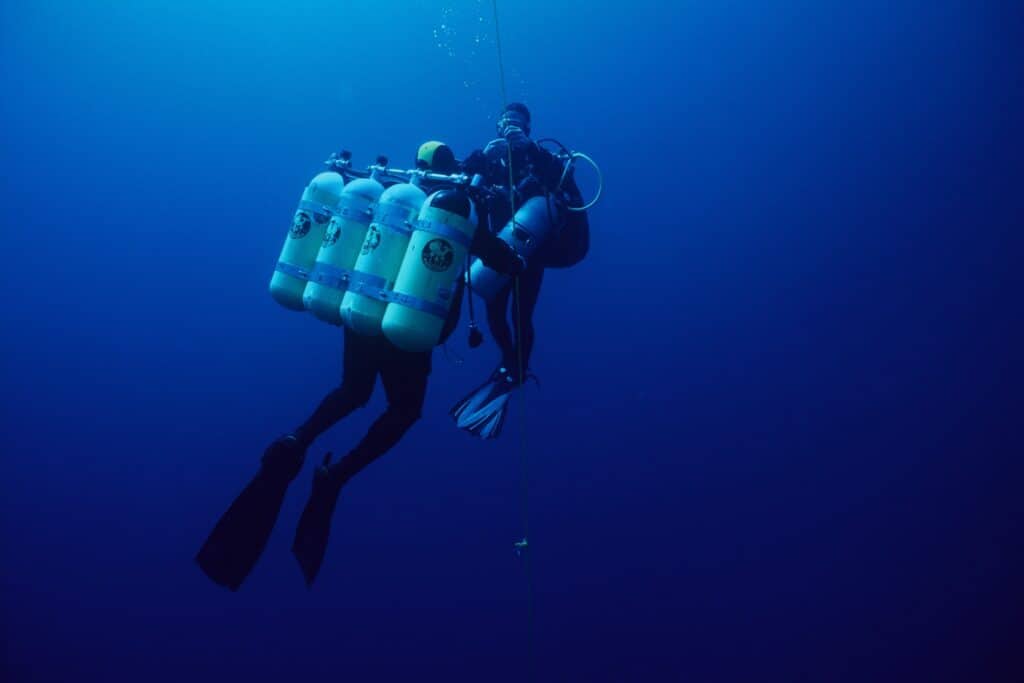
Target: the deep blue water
pixel 777 428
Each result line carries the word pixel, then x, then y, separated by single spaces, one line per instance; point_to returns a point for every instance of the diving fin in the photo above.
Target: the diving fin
pixel 237 541
pixel 487 422
pixel 310 543
pixel 472 402
pixel 482 413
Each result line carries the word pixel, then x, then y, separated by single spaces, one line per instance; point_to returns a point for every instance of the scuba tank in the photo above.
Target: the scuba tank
pixel 342 242
pixel 422 296
pixel 380 257
pixel 533 224
pixel 317 206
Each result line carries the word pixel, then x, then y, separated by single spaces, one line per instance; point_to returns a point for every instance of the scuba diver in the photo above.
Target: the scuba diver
pixel 238 539
pixel 515 161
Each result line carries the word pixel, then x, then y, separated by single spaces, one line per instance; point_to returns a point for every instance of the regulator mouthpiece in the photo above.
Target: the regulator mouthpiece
pixel 511 121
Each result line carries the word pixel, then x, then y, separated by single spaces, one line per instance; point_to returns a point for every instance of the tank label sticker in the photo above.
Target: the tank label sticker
pixel 372 240
pixel 438 255
pixel 332 234
pixel 300 225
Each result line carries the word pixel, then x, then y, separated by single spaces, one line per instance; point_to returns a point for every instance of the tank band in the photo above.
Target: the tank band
pixel 446 231
pixel 331 276
pixel 355 215
pixel 396 219
pixel 373 288
pixel 294 271
pixel 316 208
pixel 366 284
pixel 415 303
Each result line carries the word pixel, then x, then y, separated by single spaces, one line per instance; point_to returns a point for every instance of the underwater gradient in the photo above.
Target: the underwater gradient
pixel 777 432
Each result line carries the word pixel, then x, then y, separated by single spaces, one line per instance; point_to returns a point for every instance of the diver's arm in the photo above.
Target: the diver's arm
pixel 496 253
pixel 475 163
pixel 547 168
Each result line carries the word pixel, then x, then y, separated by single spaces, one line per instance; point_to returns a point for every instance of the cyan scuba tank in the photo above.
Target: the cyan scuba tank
pixel 342 243
pixel 422 295
pixel 316 208
pixel 533 224
pixel 380 257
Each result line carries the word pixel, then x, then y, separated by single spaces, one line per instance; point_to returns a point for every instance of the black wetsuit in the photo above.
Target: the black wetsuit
pixel 240 535
pixel 537 172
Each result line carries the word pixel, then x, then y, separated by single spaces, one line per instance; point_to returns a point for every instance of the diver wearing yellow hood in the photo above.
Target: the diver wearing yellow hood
pixel 238 539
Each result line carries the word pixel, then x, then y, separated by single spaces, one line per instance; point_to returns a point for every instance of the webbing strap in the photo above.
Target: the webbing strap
pixel 294 271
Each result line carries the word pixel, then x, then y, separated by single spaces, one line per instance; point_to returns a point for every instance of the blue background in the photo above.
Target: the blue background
pixel 776 430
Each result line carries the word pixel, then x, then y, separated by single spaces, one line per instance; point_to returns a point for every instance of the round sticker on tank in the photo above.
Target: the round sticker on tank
pixel 332 234
pixel 300 225
pixel 438 255
pixel 372 240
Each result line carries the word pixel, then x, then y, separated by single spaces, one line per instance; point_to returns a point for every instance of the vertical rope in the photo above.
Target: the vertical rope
pixel 520 371
pixel 524 479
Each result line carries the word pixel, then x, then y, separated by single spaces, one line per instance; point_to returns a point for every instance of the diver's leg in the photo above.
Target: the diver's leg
pixel 360 365
pixel 404 376
pixel 237 541
pixel 529 292
pixel 497 321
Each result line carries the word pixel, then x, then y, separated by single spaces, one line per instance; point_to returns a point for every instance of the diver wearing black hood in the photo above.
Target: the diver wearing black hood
pixel 515 160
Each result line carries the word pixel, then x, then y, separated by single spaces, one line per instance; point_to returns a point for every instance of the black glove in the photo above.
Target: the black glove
pixel 521 148
pixel 524 150
pixel 520 266
pixel 496 151
pixel 475 163
pixel 518 140
pixel 511 262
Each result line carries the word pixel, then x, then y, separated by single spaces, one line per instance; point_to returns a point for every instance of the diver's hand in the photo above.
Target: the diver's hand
pixel 511 262
pixel 475 163
pixel 496 151
pixel 519 148
pixel 518 266
pixel 517 140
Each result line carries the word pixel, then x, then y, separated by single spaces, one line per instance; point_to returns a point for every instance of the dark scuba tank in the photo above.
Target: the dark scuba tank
pixel 533 224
